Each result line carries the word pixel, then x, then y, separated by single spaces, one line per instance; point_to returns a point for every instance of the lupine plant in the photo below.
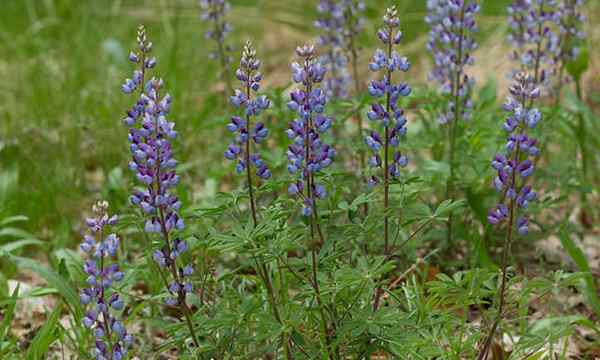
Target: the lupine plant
pixel 150 136
pixel 214 12
pixel 309 155
pixel 514 168
pixel 386 113
pixel 452 44
pixel 111 337
pixel 241 150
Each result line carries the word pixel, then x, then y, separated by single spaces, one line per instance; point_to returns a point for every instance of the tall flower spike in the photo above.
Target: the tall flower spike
pixel 241 150
pixel 308 155
pixel 150 136
pixel 331 23
pixel 103 303
pixel 214 11
pixel 385 113
pixel 451 42
pixel 516 164
pixel 353 24
pixel 570 22
pixel 514 167
pixel 531 36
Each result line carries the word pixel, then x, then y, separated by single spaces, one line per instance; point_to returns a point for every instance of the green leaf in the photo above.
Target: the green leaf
pixel 62 285
pixel 44 337
pixel 581 261
pixel 447 207
pixel 12 246
pixel 13 219
pixel 9 313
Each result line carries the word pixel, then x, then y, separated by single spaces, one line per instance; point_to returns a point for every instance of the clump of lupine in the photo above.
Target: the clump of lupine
pixel 514 168
pixel 214 11
pixel 532 38
pixel 331 22
pixel 308 154
pixel 570 21
pixel 387 113
pixel 150 135
pixel 451 42
pixel 112 339
pixel 241 149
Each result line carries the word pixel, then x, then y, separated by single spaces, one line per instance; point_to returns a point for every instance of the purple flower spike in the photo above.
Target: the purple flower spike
pixel 331 22
pixel 250 77
pixel 154 165
pixel 385 112
pixel 308 155
pixel 214 12
pixel 535 44
pixel 451 43
pixel 570 21
pixel 101 275
pixel 516 166
pixel 248 134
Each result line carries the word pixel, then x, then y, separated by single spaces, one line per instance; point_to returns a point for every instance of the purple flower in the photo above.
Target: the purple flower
pixel 308 155
pixel 385 112
pixel 101 274
pixel 516 166
pixel 451 43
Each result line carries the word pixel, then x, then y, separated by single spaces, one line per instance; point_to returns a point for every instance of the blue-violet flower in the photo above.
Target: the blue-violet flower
pixel 112 338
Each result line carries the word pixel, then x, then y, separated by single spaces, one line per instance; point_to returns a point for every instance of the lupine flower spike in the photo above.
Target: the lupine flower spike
pixel 214 11
pixel 531 36
pixel 103 303
pixel 308 154
pixel 352 26
pixel 241 150
pixel 150 137
pixel 451 43
pixel 570 21
pixel 514 168
pixel 516 165
pixel 386 113
pixel 331 23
